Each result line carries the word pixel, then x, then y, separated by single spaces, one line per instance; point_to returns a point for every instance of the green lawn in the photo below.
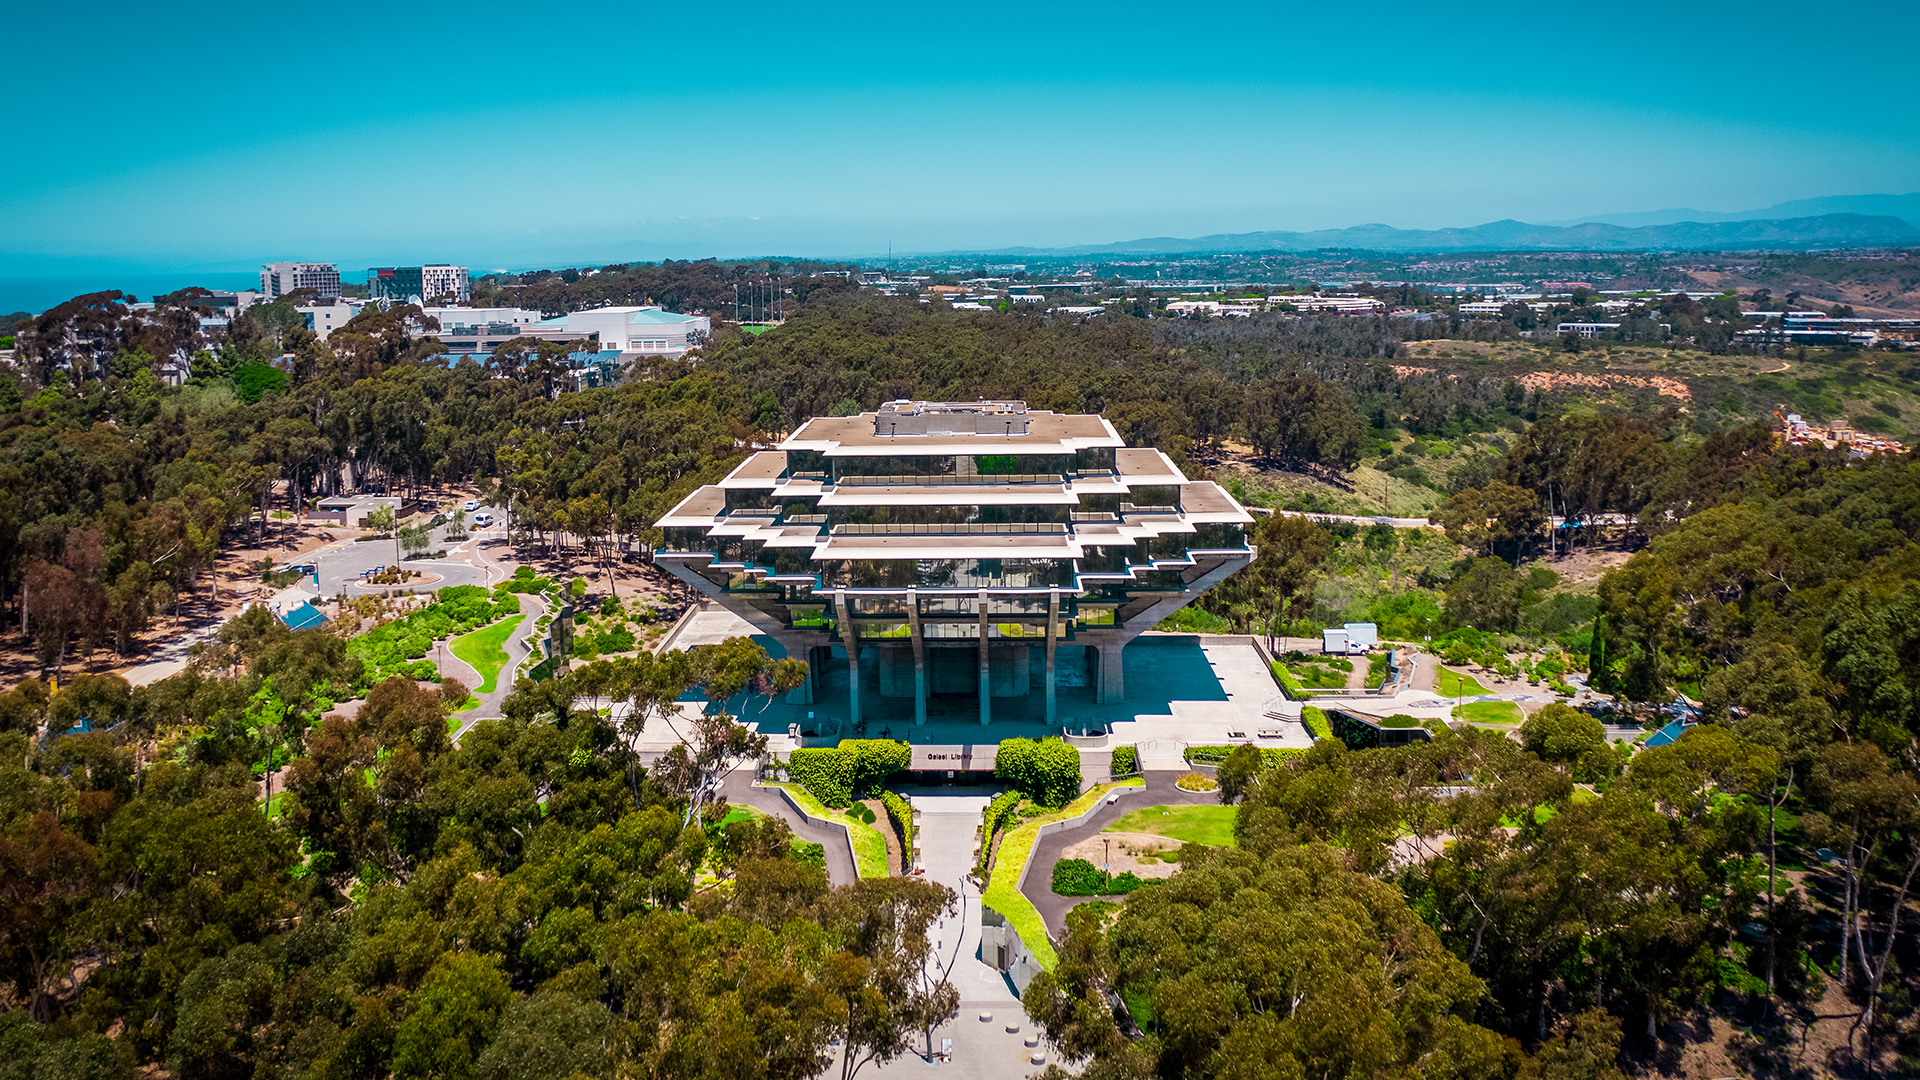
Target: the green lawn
pixel 1489 712
pixel 1198 824
pixel 1454 684
pixel 1016 848
pixel 486 650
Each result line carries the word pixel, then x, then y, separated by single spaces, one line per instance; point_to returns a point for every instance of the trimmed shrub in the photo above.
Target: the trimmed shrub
pixel 825 772
pixel 1126 761
pixel 1000 813
pixel 1316 722
pixel 855 768
pixel 1078 877
pixel 874 760
pixel 1269 755
pixel 901 815
pixel 1048 770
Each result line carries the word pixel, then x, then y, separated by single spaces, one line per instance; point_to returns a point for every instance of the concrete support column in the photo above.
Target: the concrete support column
pixel 986 679
pixel 919 659
pixel 1113 683
pixel 1053 632
pixel 848 635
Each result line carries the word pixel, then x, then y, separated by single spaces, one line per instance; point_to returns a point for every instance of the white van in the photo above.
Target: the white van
pixel 483 520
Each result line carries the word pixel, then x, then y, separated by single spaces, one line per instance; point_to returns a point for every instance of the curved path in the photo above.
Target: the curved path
pixel 518 644
pixel 1161 791
pixel 738 788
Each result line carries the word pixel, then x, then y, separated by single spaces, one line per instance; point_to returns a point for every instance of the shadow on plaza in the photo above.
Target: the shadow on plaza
pixel 1158 670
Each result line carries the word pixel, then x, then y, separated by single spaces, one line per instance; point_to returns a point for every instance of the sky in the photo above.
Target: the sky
pixel 508 136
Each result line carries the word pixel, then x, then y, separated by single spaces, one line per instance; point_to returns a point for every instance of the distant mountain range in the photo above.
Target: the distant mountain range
pixel 1852 230
pixel 1905 207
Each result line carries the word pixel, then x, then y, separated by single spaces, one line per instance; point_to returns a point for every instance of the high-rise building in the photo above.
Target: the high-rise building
pixel 956 550
pixel 279 279
pixel 425 284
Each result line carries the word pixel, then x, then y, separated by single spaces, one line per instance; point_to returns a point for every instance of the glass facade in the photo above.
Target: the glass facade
pixel 1125 540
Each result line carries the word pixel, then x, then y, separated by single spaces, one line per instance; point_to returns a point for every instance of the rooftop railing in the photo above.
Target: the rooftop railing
pixel 952 478
pixel 1009 528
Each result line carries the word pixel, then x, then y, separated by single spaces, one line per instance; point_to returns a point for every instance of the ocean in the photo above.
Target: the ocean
pixel 37 294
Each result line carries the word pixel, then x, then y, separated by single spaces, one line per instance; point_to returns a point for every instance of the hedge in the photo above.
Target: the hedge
pixel 1126 761
pixel 1003 809
pixel 855 768
pixel 1316 722
pixel 1047 770
pixel 1287 682
pixel 825 772
pixel 901 815
pixel 1269 755
pixel 1078 877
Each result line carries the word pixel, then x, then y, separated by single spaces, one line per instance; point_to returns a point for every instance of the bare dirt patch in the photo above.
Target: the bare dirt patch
pixel 1130 852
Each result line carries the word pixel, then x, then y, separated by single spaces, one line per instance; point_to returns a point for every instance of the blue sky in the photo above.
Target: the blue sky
pixel 516 135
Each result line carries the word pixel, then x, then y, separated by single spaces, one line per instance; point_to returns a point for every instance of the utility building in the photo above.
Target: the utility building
pixel 957 552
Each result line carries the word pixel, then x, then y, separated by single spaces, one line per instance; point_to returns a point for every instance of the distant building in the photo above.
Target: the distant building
pixel 324 319
pixel 1586 329
pixel 636 331
pixel 279 279
pixel 465 330
pixel 419 284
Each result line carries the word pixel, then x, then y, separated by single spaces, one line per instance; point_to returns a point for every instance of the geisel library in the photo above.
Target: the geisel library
pixel 964 561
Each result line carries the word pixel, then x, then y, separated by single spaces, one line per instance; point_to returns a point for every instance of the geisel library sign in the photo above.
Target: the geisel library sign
pixel 957 548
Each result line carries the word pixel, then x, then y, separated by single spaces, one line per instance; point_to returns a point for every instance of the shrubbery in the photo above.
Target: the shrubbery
pixel 999 813
pixel 394 648
pixel 524 581
pixel 825 772
pixel 1316 722
pixel 1047 770
pixel 901 815
pixel 856 767
pixel 1269 755
pixel 1078 877
pixel 1126 761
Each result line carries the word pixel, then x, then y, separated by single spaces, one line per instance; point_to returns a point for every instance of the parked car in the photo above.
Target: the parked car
pixel 470 505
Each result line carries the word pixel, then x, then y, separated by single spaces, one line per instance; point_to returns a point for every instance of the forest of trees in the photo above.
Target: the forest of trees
pixel 532 903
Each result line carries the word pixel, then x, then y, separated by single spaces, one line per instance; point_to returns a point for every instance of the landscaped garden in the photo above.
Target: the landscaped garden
pixel 400 646
pixel 1498 713
pixel 1191 824
pixel 485 650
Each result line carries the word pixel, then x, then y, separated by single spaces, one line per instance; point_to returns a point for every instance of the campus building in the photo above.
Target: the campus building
pixel 279 279
pixel 419 284
pixel 966 553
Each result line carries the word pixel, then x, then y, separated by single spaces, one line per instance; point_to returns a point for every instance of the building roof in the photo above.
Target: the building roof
pixel 854 436
pixel 303 617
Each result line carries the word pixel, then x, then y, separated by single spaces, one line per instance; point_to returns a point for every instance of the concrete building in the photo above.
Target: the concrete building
pixel 961 553
pixel 418 284
pixel 279 279
pixel 637 331
pixel 324 319
pixel 1586 329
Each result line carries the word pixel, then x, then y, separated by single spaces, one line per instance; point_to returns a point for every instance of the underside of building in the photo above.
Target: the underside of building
pixel 951 551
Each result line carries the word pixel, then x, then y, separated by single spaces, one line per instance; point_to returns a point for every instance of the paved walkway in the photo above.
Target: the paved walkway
pixel 738 788
pixel 1161 791
pixel 982 1050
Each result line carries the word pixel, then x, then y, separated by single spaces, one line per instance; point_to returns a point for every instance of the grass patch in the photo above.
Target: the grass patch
pixel 1199 824
pixel 1454 684
pixel 869 847
pixel 1505 713
pixel 1003 885
pixel 486 650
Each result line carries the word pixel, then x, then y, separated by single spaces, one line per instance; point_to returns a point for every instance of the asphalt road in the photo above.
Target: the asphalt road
pixel 738 788
pixel 340 563
pixel 1161 791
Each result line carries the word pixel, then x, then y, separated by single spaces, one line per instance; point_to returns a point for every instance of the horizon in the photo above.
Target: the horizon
pixel 855 132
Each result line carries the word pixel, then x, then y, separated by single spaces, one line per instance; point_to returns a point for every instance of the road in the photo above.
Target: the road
pixel 1162 790
pixel 738 788
pixel 340 563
